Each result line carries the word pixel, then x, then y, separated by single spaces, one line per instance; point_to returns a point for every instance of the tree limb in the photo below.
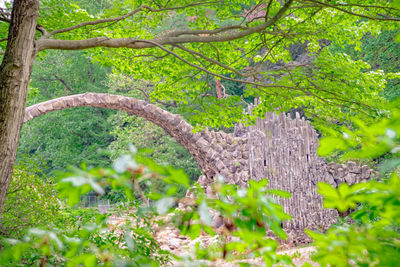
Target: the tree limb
pixel 116 19
pixel 41 29
pixel 218 75
pixel 367 6
pixel 5 17
pixel 205 32
pixel 43 44
pixel 216 62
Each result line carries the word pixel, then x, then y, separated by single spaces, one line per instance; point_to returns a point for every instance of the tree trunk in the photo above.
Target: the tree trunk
pixel 15 71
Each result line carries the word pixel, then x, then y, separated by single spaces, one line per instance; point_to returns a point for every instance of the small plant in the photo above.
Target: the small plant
pixel 246 215
pixel 31 202
pixel 88 238
pixel 373 240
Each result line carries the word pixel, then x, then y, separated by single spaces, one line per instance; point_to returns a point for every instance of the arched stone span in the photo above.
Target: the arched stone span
pixel 214 152
pixel 280 148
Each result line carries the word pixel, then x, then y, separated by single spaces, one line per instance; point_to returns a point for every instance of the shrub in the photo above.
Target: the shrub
pixel 374 239
pixel 31 202
pixel 87 239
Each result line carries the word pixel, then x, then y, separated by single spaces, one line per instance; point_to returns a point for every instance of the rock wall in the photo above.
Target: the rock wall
pixel 279 148
pixel 284 150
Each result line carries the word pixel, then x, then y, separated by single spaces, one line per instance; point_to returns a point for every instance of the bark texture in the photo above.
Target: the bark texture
pixel 15 71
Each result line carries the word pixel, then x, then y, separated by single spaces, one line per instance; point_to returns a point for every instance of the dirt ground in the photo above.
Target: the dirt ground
pixel 170 239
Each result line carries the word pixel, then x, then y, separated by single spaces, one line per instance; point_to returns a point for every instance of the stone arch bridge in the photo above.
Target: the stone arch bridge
pixel 278 147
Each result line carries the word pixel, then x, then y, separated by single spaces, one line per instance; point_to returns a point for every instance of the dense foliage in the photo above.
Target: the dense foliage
pixel 67 137
pixel 263 59
pixel 372 237
pixel 338 61
pixel 381 52
pixel 32 201
pixel 90 135
pixel 91 240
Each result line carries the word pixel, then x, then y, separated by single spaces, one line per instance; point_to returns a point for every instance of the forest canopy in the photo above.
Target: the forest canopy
pixel 289 54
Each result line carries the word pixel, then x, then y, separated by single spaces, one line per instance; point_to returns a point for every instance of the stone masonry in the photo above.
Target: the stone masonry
pixel 279 148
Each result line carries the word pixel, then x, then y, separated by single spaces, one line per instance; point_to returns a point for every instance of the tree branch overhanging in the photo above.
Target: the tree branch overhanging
pixel 213 61
pixel 127 15
pixel 216 74
pixel 341 8
pixel 44 44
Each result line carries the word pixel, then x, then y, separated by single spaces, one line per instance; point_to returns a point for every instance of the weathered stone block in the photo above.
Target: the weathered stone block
pixel 218 148
pixel 202 143
pixel 365 172
pixel 350 178
pixel 232 168
pixel 352 167
pixel 219 164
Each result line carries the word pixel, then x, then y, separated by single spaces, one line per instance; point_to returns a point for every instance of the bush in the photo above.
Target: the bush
pixel 374 239
pixel 31 202
pixel 372 242
pixel 86 238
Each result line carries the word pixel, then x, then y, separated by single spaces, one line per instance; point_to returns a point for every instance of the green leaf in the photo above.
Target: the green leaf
pixel 397 38
pixel 279 193
pixel 194 231
pixel 90 260
pixel 163 205
pixel 129 241
pixel 328 145
pixel 204 212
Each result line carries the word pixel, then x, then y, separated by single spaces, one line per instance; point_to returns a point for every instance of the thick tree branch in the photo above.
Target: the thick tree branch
pixel 41 29
pixel 163 40
pixel 205 32
pixel 127 15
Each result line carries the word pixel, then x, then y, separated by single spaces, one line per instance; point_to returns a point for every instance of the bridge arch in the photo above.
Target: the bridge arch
pixel 205 147
pixel 277 147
